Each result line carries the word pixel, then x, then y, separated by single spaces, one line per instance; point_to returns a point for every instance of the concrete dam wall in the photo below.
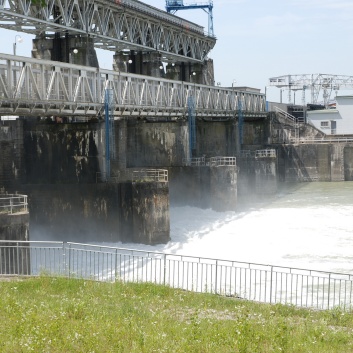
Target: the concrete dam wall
pixel 61 166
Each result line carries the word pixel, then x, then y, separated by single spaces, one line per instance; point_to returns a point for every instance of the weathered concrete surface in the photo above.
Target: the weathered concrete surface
pixel 144 212
pixel 337 162
pixel 224 188
pixel 215 138
pixel 14 226
pixel 315 162
pixel 106 212
pixel 156 144
pixel 63 153
pixel 348 163
pixel 150 206
pixel 301 163
pixel 257 178
pixel 71 49
pixel 246 177
pixel 74 212
pixel 266 175
pixel 256 134
pixel 14 257
pixel 204 187
pixel 11 154
pixel 190 186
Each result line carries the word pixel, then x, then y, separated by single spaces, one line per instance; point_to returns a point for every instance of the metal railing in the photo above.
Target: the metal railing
pixel 194 162
pixel 258 153
pixel 211 162
pixel 257 282
pixel 223 161
pixel 145 175
pixel 268 153
pixel 32 87
pixel 13 203
pixel 288 116
pixel 325 139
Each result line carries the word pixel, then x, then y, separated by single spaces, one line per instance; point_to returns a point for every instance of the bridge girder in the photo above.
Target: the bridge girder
pixel 32 87
pixel 113 25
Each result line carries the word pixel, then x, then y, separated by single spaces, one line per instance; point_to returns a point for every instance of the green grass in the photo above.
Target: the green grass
pixel 59 315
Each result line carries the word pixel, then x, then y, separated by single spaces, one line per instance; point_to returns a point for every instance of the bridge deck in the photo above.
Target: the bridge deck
pixel 32 87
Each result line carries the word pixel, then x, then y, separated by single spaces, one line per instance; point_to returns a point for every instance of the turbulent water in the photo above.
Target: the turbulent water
pixel 309 226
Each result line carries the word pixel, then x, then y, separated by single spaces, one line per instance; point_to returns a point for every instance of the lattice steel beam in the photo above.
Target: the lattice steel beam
pixel 32 87
pixel 114 25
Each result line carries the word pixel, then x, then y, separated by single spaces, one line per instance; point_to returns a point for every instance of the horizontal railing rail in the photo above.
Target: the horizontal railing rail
pixel 145 175
pixel 251 281
pixel 265 153
pixel 288 116
pixel 33 87
pixel 194 162
pixel 222 161
pixel 325 139
pixel 13 203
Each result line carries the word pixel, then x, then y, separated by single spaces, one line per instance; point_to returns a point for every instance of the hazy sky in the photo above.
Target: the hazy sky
pixel 259 39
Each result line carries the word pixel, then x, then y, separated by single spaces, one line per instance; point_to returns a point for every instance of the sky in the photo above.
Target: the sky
pixel 258 39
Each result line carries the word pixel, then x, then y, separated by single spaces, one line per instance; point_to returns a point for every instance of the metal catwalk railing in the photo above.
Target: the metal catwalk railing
pixel 326 139
pixel 32 87
pixel 13 203
pixel 257 282
pixel 145 175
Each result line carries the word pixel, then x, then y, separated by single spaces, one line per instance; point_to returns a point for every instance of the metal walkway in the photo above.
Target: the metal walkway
pixel 113 25
pixel 32 87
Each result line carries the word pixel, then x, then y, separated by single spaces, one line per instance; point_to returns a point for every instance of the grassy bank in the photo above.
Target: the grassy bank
pixel 58 315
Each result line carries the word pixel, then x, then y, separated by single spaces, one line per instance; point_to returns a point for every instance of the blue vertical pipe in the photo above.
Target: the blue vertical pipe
pixel 107 133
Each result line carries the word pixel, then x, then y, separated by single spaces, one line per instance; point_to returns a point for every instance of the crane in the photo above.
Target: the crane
pixel 172 6
pixel 316 83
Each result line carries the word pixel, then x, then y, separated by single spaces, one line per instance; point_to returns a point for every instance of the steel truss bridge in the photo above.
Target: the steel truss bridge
pixel 113 25
pixel 32 87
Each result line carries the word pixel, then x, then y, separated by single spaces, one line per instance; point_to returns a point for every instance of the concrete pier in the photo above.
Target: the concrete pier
pixel 210 183
pixel 223 184
pixel 144 207
pixel 266 172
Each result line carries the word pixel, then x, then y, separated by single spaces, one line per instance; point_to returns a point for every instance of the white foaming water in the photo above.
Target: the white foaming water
pixel 308 226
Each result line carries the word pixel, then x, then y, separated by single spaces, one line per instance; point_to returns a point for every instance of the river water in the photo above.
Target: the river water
pixel 308 225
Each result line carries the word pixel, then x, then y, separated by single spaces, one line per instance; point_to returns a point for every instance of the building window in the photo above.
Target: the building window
pixel 324 124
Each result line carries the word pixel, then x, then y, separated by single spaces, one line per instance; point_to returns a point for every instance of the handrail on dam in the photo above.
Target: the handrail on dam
pixel 32 87
pixel 194 162
pixel 137 175
pixel 251 281
pixel 258 153
pixel 325 139
pixel 268 153
pixel 223 161
pixel 13 203
pixel 218 161
pixel 145 175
